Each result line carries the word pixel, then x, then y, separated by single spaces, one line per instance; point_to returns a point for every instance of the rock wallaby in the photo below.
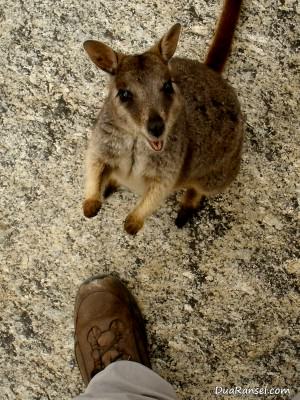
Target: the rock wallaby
pixel 167 124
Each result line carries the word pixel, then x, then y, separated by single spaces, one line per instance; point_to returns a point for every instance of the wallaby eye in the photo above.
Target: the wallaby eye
pixel 125 95
pixel 168 88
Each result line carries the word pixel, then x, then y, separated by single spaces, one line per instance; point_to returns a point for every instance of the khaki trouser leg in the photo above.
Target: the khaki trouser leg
pixel 128 380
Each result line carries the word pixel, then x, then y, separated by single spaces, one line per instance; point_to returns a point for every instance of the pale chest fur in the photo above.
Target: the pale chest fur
pixel 130 171
pixel 131 159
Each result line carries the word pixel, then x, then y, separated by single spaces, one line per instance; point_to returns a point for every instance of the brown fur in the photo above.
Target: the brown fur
pixel 156 137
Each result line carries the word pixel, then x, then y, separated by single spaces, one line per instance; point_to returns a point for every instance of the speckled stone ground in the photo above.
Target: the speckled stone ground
pixel 221 297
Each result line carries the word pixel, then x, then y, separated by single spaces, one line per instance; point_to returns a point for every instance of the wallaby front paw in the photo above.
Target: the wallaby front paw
pixel 132 224
pixel 91 207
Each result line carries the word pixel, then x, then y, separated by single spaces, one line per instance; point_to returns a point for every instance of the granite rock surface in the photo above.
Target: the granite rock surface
pixel 221 296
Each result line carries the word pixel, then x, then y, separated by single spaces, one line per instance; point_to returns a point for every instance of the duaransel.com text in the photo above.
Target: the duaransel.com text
pixel 246 391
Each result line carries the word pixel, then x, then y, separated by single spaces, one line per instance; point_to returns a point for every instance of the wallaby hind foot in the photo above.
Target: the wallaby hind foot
pixel 111 188
pixel 192 202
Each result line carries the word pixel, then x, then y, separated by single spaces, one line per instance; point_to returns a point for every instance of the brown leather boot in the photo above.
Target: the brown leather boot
pixel 108 326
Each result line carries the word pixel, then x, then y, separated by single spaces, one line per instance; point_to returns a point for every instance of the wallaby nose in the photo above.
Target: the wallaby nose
pixel 155 125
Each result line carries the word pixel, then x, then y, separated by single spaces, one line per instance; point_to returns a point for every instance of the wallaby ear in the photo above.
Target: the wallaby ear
pixel 166 47
pixel 102 55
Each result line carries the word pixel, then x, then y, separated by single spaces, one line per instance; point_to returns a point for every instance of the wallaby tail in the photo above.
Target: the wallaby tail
pixel 221 45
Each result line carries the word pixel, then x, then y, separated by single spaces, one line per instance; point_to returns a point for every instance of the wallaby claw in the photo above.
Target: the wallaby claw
pixel 132 224
pixel 91 207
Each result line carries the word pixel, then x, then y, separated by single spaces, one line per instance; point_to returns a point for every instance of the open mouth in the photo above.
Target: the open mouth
pixel 156 145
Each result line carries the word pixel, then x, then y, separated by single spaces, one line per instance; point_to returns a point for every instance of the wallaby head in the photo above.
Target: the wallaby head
pixel 143 97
